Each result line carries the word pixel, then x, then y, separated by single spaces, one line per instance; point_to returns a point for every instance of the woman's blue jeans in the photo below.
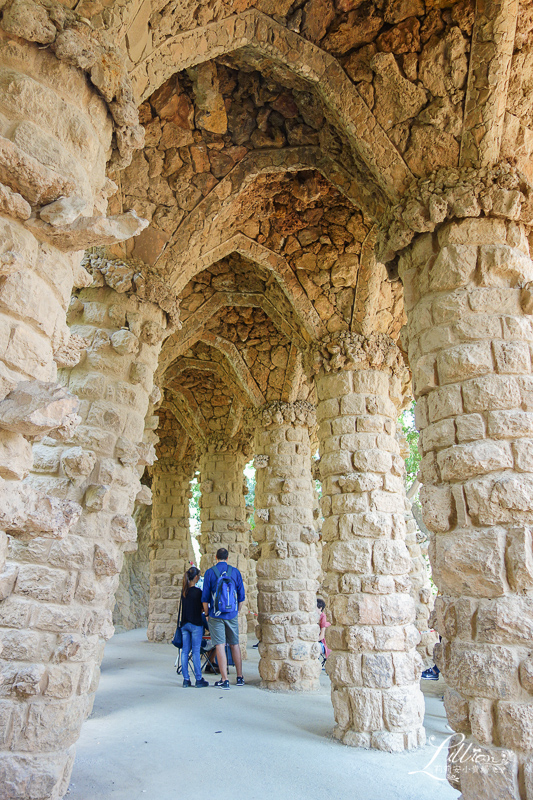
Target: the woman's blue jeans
pixel 192 638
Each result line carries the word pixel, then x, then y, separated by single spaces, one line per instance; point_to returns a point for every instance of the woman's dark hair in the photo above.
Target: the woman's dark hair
pixel 320 604
pixel 189 576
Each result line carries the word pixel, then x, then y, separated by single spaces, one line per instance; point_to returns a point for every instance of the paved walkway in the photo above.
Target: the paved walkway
pixel 149 739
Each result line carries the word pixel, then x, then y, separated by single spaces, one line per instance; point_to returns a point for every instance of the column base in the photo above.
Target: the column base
pixel 290 676
pixel 387 741
pixel 35 777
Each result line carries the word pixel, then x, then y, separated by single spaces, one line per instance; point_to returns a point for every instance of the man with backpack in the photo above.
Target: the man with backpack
pixel 222 598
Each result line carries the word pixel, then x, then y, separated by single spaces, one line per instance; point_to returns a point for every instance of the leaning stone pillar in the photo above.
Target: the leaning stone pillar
pixel 58 131
pixel 65 585
pixel 223 510
pixel 374 667
pixel 288 568
pixel 170 544
pixel 468 296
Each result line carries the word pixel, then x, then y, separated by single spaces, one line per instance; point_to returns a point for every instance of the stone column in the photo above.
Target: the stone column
pixel 288 568
pixel 317 517
pixel 252 596
pixel 468 295
pixel 223 510
pixel 374 667
pixel 421 592
pixel 64 590
pixel 57 134
pixel 133 592
pixel 170 544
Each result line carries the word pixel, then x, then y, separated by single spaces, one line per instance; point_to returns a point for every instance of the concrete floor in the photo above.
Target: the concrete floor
pixel 148 736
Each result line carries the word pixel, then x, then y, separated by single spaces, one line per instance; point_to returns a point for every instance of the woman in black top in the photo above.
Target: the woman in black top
pixel 192 626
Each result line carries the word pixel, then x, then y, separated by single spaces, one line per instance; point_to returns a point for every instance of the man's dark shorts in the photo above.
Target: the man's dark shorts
pixel 224 631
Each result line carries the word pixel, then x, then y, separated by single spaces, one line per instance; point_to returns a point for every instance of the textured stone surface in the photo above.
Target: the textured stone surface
pixel 365 557
pixel 132 596
pixel 170 540
pixel 278 137
pixel 287 567
pixel 476 479
pixel 223 516
pixel 67 572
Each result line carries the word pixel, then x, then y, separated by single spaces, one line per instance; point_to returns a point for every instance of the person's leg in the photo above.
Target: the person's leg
pixel 212 666
pixel 222 661
pixel 232 638
pixel 218 637
pixel 185 650
pixel 196 636
pixel 237 658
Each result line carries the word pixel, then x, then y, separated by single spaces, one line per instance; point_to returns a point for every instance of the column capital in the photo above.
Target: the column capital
pixel 185 466
pixel 448 194
pixel 353 351
pixel 219 443
pixel 74 41
pixel 280 413
pixel 134 277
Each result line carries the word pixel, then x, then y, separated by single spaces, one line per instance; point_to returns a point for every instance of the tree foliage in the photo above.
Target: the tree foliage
pixel 412 462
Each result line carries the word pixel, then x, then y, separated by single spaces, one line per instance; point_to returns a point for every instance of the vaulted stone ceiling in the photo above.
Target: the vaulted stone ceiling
pixel 274 146
pixel 238 147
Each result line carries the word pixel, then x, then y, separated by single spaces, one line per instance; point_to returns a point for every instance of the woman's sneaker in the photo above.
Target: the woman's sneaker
pixel 221 684
pixel 202 682
pixel 186 683
pixel 240 681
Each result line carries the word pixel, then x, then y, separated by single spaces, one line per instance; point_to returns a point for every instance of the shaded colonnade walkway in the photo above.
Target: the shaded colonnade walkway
pixel 149 738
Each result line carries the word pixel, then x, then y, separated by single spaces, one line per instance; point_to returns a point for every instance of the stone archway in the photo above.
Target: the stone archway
pixel 408 90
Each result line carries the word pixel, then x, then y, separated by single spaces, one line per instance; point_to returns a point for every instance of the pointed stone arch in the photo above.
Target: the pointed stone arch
pixel 238 379
pixel 254 32
pixel 281 270
pixel 191 238
pixel 189 417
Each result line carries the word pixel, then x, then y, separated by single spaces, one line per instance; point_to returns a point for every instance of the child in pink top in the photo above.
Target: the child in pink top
pixel 323 623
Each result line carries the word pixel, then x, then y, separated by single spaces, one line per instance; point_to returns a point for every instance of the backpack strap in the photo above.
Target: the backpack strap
pixel 229 571
pixel 179 613
pixel 216 570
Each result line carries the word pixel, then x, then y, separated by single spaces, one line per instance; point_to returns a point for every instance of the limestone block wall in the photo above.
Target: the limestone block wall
pixel 288 567
pixel 169 544
pixel 374 667
pixel 133 592
pixel 58 616
pixel 223 511
pixel 470 332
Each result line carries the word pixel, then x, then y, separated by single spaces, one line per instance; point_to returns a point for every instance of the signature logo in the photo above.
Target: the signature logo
pixel 462 756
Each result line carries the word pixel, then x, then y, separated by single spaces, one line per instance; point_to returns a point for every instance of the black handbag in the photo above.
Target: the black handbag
pixel 177 641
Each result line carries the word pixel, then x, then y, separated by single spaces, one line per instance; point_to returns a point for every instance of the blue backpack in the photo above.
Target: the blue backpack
pixel 225 595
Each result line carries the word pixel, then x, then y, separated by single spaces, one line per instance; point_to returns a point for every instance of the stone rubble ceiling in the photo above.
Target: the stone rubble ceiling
pixel 240 356
pixel 320 239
